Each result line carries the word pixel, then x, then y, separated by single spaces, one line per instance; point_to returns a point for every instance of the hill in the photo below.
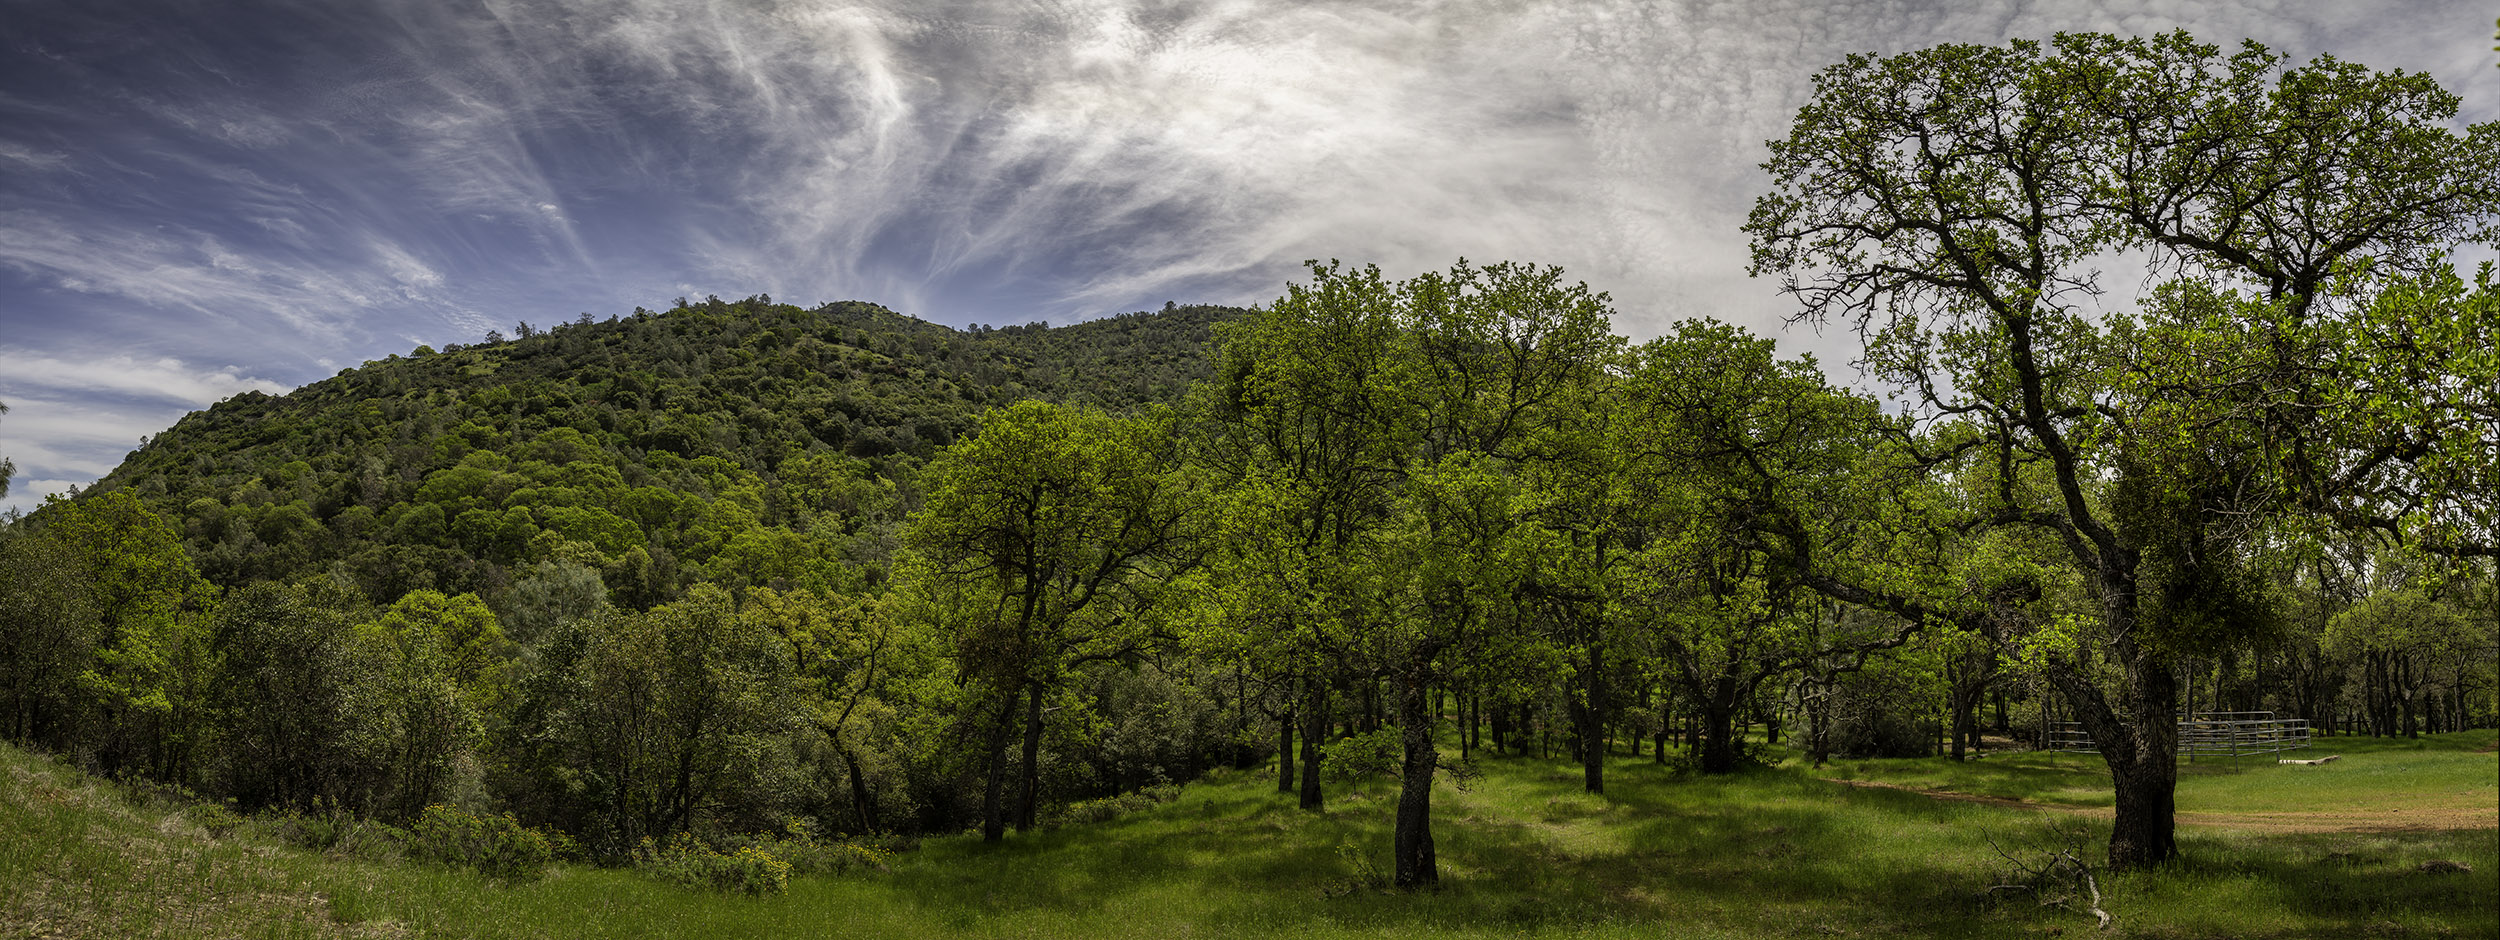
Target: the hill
pixel 641 447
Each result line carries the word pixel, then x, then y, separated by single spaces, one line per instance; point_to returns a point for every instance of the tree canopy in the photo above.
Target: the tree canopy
pixel 1962 207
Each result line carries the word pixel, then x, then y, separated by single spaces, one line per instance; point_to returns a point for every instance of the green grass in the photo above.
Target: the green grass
pixel 1772 853
pixel 2376 783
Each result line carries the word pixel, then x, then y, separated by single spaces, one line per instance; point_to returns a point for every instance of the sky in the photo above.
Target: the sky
pixel 203 198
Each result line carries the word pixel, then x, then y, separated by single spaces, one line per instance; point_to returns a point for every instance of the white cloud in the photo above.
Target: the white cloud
pixel 29 159
pixel 133 376
pixel 1119 153
pixel 62 442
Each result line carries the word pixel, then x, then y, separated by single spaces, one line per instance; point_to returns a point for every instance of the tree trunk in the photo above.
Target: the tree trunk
pixel 1415 866
pixel 1314 728
pixel 1284 752
pixel 1960 705
pixel 1593 722
pixel 2142 751
pixel 1666 726
pixel 1032 770
pixel 993 814
pixel 2142 832
pixel 1718 739
pixel 862 802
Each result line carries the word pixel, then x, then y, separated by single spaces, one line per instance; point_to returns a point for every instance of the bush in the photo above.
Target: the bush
pixel 328 828
pixel 215 818
pixel 1109 808
pixel 808 853
pixel 1362 874
pixel 495 846
pixel 1364 756
pixel 686 860
pixel 1884 735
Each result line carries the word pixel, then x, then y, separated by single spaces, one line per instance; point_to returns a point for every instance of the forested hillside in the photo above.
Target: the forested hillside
pixel 643 446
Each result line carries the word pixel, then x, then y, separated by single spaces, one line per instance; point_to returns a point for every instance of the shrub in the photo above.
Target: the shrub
pixel 1361 873
pixel 328 828
pixel 1109 808
pixel 750 869
pixel 1364 756
pixel 496 846
pixel 215 818
pixel 808 853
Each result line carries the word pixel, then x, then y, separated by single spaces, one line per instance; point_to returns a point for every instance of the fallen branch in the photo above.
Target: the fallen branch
pixel 2061 869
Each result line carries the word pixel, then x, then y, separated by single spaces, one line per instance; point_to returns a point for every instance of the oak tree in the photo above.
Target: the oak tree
pixel 1960 207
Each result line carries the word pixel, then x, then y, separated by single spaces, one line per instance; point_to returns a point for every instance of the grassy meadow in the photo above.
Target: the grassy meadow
pixel 1854 849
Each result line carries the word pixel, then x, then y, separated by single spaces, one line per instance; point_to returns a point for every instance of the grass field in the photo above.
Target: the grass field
pixel 1853 850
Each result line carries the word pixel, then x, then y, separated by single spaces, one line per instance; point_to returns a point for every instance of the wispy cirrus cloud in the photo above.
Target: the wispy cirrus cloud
pixel 128 376
pixel 60 442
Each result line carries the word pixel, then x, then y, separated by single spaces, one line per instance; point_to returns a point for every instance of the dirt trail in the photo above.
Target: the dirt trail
pixel 2390 820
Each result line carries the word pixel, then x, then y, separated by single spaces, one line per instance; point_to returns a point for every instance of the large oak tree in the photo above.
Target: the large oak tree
pixel 2304 354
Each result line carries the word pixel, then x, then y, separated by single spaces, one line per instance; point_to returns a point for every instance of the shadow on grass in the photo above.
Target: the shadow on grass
pixel 1518 852
pixel 2033 777
pixel 1766 853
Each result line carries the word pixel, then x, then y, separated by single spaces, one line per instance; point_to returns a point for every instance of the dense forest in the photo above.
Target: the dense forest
pixel 737 569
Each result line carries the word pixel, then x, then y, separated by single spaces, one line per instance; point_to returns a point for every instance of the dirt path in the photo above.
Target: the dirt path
pixel 2392 820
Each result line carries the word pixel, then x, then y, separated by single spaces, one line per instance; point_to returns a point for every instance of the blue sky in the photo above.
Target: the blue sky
pixel 206 197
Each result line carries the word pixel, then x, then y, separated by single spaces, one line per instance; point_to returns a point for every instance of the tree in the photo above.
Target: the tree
pixel 628 726
pixel 146 684
pixel 49 630
pixel 1757 481
pixel 1061 522
pixel 8 468
pixel 1386 421
pixel 1311 420
pixel 444 672
pixel 1583 480
pixel 2398 638
pixel 300 703
pixel 1499 352
pixel 843 652
pixel 1253 594
pixel 1958 205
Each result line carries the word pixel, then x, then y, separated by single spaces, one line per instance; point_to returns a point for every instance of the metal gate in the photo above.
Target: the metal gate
pixel 2216 733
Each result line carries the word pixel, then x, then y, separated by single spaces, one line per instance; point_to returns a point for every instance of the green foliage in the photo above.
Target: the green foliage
pixel 630 726
pixel 1045 540
pixel 1106 809
pixel 301 704
pixel 807 852
pixel 493 845
pixel 748 869
pixel 144 681
pixel 50 630
pixel 447 670
pixel 640 447
pixel 1363 757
